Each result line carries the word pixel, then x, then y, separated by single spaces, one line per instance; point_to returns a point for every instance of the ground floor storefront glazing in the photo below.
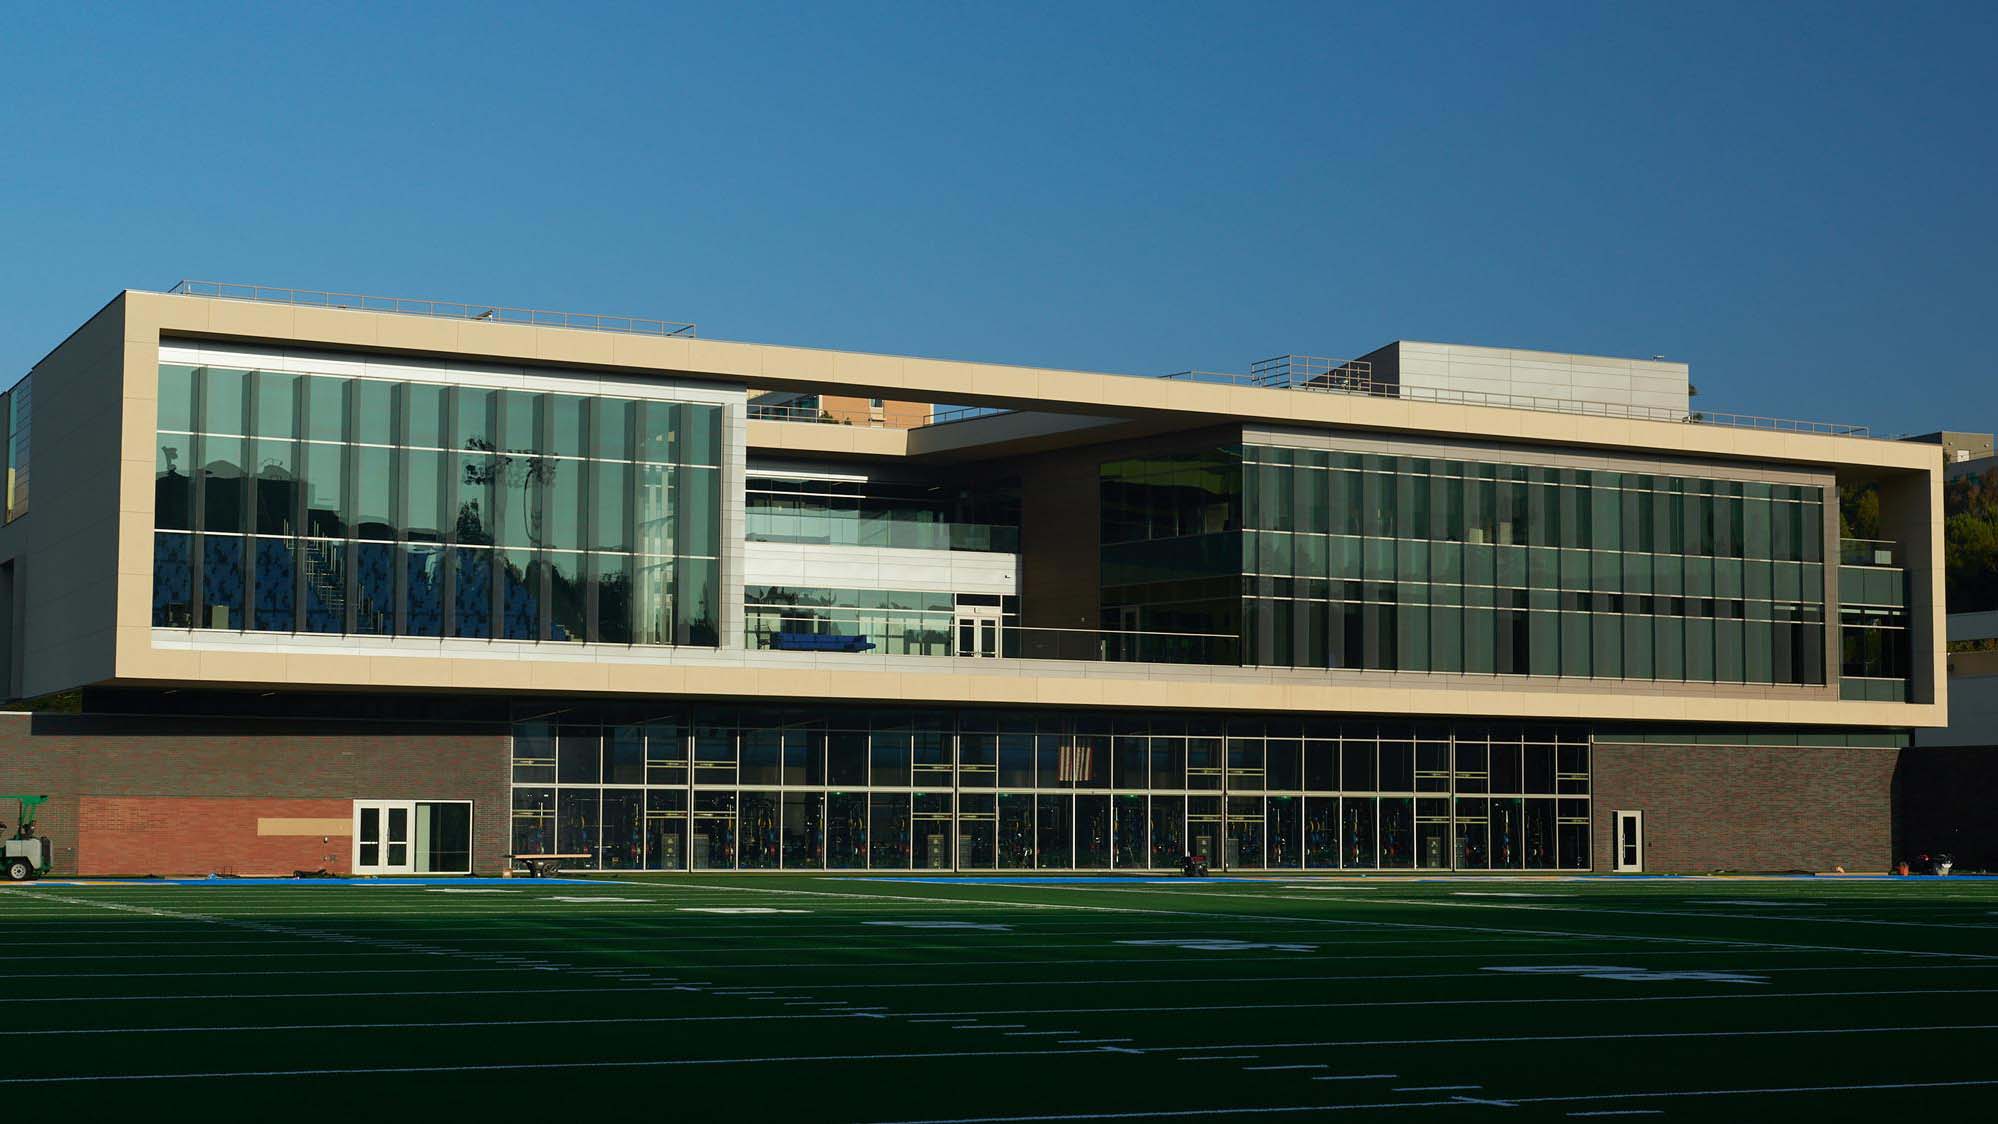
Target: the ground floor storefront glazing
pixel 857 789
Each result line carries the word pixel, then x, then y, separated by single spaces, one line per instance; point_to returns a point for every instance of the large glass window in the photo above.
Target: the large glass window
pixel 321 469
pixel 1469 568
pixel 898 789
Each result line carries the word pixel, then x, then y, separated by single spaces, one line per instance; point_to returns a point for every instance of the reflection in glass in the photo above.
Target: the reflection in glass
pixel 576 822
pixel 222 581
pixel 173 580
pixel 804 830
pixel 533 821
pixel 846 830
pixel 714 830
pixel 622 832
pixel 423 586
pixel 1092 832
pixel 1168 830
pixel 761 832
pixel 374 588
pixel 325 584
pixel 276 605
pixel 1016 831
pixel 977 831
pixel 888 831
pixel 666 829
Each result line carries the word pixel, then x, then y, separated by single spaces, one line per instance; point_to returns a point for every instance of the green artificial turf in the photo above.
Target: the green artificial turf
pixel 874 1000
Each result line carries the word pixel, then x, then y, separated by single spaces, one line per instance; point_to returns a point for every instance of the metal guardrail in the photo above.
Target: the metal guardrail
pixel 448 310
pixel 1360 385
pixel 1315 374
pixel 1084 645
pixel 811 416
pixel 1868 552
pixel 1334 376
pixel 1787 425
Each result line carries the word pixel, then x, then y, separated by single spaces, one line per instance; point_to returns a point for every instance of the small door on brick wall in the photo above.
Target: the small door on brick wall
pixel 1629 842
pixel 382 830
pixel 412 837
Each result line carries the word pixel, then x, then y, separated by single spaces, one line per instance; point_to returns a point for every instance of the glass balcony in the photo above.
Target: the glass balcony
pixel 1868 552
pixel 881 529
pixel 970 637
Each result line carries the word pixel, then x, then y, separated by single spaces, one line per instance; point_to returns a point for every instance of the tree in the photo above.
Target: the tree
pixel 1970 543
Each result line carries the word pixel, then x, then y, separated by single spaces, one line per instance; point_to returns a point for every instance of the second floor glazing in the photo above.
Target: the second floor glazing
pixel 316 503
pixel 1334 559
pixel 857 511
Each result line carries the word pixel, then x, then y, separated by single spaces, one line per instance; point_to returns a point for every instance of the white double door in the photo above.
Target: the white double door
pixel 977 631
pixel 382 836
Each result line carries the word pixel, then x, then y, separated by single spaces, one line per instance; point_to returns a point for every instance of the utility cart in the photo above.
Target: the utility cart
pixel 26 854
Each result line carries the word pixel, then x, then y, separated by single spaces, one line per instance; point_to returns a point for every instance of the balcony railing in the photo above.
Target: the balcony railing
pixel 811 415
pixel 1090 645
pixel 1354 377
pixel 856 529
pixel 1868 552
pixel 448 310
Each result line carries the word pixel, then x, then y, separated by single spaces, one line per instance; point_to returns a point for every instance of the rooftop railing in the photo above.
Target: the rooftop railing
pixel 813 415
pixel 1315 374
pixel 448 310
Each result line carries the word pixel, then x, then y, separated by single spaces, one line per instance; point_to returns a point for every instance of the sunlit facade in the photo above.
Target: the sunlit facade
pixel 394 593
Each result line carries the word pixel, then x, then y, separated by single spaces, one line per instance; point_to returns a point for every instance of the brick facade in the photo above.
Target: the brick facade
pixel 183 795
pixel 1749 808
pixel 194 835
pixel 231 768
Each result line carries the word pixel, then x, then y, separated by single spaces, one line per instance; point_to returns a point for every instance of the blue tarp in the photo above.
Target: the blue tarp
pixel 818 642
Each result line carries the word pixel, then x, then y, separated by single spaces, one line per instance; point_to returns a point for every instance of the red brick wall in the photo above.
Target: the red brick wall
pixel 196 835
pixel 1749 808
pixel 77 757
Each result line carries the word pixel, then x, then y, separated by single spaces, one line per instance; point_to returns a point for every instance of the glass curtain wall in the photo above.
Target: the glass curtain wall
pixel 804 789
pixel 1873 633
pixel 309 503
pixel 899 622
pixel 17 405
pixel 1354 560
pixel 1171 557
pixel 788 508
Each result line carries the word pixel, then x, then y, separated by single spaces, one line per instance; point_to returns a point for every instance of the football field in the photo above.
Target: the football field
pixel 802 998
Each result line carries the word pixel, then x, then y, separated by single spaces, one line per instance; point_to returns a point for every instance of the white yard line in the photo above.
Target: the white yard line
pixel 1177 980
pixel 1485 1039
pixel 1736 996
pixel 461 1024
pixel 502 1067
pixel 1556 933
pixel 1682 915
pixel 1266 1110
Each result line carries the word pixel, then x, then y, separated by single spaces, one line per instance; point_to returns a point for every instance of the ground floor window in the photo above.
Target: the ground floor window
pixel 851 789
pixel 412 837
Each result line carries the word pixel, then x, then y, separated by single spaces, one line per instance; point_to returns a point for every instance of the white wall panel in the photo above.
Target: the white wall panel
pixel 865 567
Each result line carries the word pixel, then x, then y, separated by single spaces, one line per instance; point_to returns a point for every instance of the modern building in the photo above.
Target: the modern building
pixel 1960 451
pixel 1948 783
pixel 382 586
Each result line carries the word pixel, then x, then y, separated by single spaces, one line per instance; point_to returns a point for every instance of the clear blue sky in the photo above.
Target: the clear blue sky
pixel 1796 199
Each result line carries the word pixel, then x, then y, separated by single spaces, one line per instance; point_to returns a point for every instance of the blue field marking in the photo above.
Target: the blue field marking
pixel 1051 879
pixel 225 883
pixel 1333 878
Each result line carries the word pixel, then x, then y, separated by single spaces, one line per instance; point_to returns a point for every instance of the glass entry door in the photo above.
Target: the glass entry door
pixel 977 631
pixel 382 830
pixel 1629 842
